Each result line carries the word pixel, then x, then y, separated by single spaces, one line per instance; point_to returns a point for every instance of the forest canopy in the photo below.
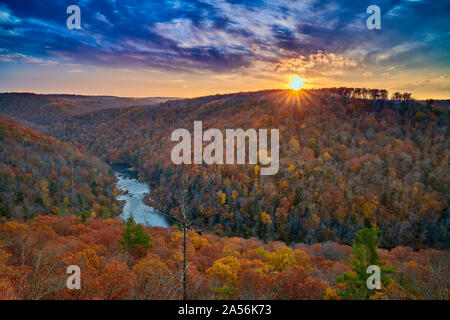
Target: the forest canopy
pixel 347 155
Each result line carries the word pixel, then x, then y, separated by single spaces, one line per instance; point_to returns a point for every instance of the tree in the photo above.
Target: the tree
pixel 280 259
pixel 225 272
pixel 84 215
pixel 116 280
pixel 397 96
pixel 384 94
pixel 186 198
pixel 406 96
pixel 353 285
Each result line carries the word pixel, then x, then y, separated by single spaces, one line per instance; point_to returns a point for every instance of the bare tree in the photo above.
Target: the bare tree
pixel 186 198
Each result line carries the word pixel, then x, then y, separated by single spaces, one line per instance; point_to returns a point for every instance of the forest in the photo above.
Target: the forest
pixel 41 175
pixel 44 109
pixel 346 156
pixel 34 256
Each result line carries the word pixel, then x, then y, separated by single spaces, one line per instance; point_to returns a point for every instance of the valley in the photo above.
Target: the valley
pixel 347 165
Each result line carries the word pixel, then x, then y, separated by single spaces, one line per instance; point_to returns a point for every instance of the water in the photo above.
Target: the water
pixel 142 213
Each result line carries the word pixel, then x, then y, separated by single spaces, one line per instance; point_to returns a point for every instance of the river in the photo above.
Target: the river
pixel 135 192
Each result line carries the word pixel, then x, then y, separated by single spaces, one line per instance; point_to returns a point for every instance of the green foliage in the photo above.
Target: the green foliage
pixel 384 199
pixel 135 236
pixel 84 215
pixel 312 144
pixel 299 197
pixel 3 211
pixel 225 292
pixel 353 285
pixel 179 227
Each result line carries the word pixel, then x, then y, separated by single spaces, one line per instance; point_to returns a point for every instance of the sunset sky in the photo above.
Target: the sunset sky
pixel 194 48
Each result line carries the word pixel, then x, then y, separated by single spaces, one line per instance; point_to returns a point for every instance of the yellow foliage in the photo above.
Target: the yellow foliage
pixel 10 226
pixel 224 270
pixel 256 169
pixel 368 209
pixel 315 219
pixel 261 252
pixel 378 295
pixel 331 294
pixel 326 156
pixel 223 198
pixel 90 255
pixel 265 218
pixel 54 210
pixel 281 258
pixel 283 184
pixel 229 252
pixel 199 242
pixel 294 145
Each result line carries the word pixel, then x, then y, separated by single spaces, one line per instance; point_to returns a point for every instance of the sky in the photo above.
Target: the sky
pixel 194 48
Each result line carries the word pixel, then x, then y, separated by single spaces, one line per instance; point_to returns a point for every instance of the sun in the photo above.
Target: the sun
pixel 296 83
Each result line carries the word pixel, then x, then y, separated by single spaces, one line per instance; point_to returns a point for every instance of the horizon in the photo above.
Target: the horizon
pixel 193 97
pixel 200 48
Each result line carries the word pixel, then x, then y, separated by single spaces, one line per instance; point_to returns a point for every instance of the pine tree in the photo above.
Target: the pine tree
pixel 135 236
pixel 84 215
pixel 353 285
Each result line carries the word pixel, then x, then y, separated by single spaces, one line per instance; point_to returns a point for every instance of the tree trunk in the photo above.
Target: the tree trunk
pixel 184 265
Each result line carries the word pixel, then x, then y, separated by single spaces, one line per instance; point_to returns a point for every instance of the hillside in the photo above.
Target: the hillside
pixel 345 161
pixel 41 175
pixel 34 257
pixel 21 122
pixel 45 109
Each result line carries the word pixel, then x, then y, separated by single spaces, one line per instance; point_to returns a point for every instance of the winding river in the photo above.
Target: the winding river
pixel 134 194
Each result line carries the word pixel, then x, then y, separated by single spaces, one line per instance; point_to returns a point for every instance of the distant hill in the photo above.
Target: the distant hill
pixel 21 122
pixel 41 175
pixel 437 102
pixel 44 109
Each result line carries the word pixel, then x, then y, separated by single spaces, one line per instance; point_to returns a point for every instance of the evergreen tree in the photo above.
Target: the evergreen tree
pixel 353 285
pixel 84 215
pixel 135 236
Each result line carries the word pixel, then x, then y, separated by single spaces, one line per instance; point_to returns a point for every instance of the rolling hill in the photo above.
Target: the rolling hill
pixel 344 162
pixel 43 109
pixel 41 175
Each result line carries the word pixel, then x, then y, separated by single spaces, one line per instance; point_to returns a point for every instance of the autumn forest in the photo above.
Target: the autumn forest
pixel 363 180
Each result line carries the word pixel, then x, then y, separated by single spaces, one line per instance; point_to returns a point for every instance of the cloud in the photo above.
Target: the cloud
pixel 75 71
pixel 319 62
pixel 6 17
pixel 21 58
pixel 320 38
pixel 102 18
